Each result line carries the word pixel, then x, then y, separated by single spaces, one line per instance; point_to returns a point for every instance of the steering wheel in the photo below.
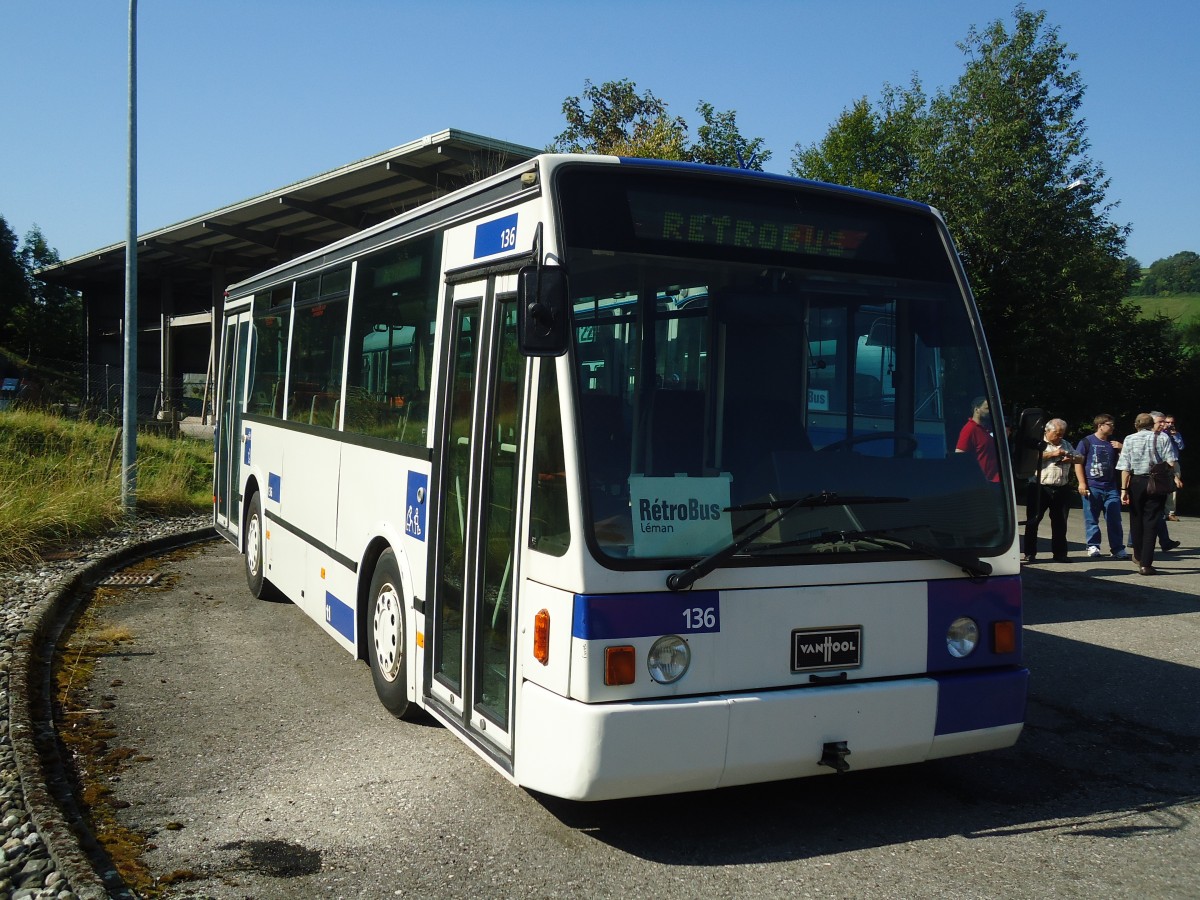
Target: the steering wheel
pixel 909 442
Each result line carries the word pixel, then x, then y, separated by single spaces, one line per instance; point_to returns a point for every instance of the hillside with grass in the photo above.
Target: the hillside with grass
pixel 60 481
pixel 1182 309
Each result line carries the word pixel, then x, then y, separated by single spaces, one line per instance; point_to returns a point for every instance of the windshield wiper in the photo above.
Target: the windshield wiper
pixel 681 581
pixel 968 562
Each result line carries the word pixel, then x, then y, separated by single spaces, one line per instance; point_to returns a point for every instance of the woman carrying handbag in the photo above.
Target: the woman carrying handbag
pixel 1148 475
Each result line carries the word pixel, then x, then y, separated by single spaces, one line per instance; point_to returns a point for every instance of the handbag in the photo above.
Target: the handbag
pixel 1162 474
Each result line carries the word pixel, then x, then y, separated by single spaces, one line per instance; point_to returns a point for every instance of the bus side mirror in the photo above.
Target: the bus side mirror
pixel 542 316
pixel 1027 443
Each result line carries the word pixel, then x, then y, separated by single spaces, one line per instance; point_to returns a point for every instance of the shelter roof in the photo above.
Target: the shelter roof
pixel 257 234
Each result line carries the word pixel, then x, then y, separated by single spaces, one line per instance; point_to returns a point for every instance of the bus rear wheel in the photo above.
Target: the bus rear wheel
pixel 385 649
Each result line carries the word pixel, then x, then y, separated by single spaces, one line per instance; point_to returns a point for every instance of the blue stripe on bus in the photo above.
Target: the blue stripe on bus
pixel 611 617
pixel 988 601
pixel 969 701
pixel 340 616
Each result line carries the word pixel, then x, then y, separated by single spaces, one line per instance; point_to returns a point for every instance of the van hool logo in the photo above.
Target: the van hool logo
pixel 827 648
pixel 659 515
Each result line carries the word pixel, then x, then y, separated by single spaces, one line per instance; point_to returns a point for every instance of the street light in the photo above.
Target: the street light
pixel 129 410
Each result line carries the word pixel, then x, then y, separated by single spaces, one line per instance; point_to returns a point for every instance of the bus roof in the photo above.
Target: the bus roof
pixel 509 183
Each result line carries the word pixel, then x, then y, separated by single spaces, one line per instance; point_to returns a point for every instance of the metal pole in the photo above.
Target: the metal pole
pixel 129 412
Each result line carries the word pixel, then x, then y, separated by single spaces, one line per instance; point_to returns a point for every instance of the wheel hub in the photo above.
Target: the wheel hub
pixel 385 632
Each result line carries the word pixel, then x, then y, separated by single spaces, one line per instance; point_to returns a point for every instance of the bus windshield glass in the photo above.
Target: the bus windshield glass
pixel 739 349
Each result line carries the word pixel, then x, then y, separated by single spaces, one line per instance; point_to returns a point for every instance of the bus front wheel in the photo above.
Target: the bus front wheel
pixel 387 644
pixel 254 548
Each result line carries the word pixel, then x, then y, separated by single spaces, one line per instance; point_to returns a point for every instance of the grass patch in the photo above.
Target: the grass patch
pixel 60 481
pixel 1181 308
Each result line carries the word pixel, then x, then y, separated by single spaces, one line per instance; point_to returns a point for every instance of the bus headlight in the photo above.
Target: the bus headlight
pixel 669 659
pixel 961 637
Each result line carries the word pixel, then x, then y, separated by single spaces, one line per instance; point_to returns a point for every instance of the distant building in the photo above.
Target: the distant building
pixel 183 269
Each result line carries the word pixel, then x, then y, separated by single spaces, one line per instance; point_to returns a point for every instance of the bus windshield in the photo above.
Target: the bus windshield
pixel 736 352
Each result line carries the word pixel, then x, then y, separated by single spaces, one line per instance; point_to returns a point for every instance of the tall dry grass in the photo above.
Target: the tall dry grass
pixel 57 487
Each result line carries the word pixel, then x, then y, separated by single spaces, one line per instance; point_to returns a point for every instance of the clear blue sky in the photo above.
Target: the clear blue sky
pixel 239 97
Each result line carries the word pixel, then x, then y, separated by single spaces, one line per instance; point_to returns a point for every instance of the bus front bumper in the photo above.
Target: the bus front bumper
pixel 603 751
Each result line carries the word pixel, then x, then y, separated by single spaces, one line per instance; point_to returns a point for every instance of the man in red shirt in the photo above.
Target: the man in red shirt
pixel 976 437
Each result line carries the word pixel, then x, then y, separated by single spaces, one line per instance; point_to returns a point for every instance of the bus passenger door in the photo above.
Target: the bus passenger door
pixel 472 635
pixel 235 347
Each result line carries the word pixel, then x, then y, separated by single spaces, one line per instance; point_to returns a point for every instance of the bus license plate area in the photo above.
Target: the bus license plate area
pixel 819 649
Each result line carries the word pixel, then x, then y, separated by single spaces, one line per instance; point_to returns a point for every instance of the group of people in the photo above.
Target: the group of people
pixel 1111 475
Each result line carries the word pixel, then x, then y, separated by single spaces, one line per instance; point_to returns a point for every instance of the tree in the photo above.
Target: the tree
pixel 1004 154
pixel 1008 162
pixel 1133 270
pixel 614 118
pixel 38 320
pixel 721 144
pixel 1178 274
pixel 56 312
pixel 869 148
pixel 14 288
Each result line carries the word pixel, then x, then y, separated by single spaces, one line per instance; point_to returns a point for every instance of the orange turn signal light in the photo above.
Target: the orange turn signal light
pixel 1004 637
pixel 619 665
pixel 541 636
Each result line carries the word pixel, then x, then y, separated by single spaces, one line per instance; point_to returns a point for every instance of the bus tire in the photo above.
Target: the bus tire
pixel 255 578
pixel 386 636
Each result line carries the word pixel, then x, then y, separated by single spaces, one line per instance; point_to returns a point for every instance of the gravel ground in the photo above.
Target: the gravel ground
pixel 27 869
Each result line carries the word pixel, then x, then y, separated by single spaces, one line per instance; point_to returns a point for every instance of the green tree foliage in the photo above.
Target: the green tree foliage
pixel 870 148
pixel 613 118
pixel 1004 154
pixel 14 288
pixel 1178 274
pixel 1133 270
pixel 37 320
pixel 721 144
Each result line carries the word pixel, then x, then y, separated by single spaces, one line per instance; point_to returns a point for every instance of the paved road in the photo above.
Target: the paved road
pixel 266 768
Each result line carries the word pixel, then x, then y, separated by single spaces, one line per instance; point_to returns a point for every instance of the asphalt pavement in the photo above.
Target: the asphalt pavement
pixel 1178 570
pixel 262 765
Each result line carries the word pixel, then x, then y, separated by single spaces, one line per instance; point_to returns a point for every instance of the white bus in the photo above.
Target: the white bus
pixel 638 476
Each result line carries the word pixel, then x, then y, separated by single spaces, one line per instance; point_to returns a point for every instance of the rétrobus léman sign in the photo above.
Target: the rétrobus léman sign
pixel 679 516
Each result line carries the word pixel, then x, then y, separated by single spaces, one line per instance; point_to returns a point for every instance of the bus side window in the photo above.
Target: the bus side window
pixel 272 312
pixel 549 524
pixel 387 381
pixel 315 364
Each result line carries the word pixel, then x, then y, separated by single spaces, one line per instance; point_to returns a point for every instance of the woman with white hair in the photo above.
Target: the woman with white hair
pixel 1050 491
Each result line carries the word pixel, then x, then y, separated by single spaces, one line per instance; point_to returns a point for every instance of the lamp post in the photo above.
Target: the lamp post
pixel 129 410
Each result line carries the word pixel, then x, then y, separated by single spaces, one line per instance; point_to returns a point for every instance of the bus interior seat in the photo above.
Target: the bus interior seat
pixel 763 391
pixel 507 406
pixel 413 415
pixel 868 394
pixel 323 409
pixel 748 447
pixel 300 402
pixel 676 433
pixel 605 439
